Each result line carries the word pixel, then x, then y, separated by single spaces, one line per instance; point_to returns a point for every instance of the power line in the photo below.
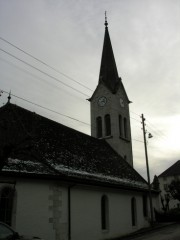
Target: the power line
pixel 54 78
pixel 33 75
pixel 44 63
pixel 38 105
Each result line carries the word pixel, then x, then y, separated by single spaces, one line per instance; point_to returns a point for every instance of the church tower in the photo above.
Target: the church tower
pixel 110 119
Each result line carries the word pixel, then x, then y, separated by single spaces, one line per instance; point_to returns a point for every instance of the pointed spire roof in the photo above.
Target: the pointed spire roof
pixel 108 70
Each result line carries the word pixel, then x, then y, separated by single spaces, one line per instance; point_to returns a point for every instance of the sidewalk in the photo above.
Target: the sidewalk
pixel 143 231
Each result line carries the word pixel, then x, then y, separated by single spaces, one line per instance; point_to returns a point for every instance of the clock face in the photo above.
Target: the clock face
pixel 121 102
pixel 102 101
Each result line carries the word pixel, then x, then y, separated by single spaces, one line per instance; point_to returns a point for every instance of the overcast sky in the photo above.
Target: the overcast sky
pixel 68 36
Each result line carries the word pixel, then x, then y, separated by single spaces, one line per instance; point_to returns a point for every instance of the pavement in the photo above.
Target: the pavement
pixel 142 231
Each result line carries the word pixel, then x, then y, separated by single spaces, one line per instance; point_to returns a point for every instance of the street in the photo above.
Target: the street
pixel 171 232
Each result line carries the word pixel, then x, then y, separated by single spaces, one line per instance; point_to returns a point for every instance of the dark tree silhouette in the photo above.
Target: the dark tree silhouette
pixel 174 189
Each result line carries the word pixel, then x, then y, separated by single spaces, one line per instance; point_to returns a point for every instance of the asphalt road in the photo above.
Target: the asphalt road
pixel 171 232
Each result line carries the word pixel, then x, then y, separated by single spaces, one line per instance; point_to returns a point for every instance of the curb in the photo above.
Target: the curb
pixel 143 231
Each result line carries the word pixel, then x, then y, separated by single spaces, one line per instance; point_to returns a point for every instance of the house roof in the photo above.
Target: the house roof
pixel 42 148
pixel 171 171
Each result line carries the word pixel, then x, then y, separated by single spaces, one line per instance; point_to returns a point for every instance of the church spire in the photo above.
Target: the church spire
pixel 108 70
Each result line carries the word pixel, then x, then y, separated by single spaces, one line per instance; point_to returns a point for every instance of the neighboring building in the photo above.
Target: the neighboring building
pixel 165 178
pixel 60 184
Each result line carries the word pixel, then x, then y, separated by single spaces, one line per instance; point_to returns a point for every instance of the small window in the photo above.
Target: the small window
pixel 107 125
pixel 6 205
pixel 165 187
pixel 104 212
pixel 99 127
pixel 125 128
pixel 133 211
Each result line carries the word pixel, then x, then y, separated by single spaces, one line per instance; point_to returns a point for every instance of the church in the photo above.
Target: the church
pixel 61 184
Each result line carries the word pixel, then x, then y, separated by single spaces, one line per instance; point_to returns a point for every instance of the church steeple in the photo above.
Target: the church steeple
pixel 108 70
pixel 110 119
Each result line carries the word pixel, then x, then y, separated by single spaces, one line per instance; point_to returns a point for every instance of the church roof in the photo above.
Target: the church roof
pixel 172 171
pixel 40 147
pixel 108 70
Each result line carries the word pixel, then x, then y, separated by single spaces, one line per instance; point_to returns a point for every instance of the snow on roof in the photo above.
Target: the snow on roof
pixel 44 147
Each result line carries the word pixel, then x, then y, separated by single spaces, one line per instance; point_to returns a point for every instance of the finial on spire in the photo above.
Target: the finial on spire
pixel 9 97
pixel 106 23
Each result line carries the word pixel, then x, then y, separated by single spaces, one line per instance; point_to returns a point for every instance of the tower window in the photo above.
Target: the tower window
pixel 125 128
pixel 104 212
pixel 99 127
pixel 120 126
pixel 107 125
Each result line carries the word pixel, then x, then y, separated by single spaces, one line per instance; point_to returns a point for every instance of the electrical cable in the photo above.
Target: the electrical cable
pixel 54 78
pixel 44 63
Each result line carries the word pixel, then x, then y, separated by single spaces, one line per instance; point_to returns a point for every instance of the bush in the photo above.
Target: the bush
pixel 171 216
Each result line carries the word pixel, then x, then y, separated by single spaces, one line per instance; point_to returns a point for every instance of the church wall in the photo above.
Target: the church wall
pixel 41 209
pixel 86 213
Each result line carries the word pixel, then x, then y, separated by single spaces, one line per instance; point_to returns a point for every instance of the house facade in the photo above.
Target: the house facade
pixel 60 184
pixel 165 179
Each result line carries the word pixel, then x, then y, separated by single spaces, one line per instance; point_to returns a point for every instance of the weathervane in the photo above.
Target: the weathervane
pixel 9 97
pixel 106 23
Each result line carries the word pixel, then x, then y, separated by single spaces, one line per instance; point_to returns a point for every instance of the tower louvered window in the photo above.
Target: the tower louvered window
pixel 107 125
pixel 120 126
pixel 125 128
pixel 99 127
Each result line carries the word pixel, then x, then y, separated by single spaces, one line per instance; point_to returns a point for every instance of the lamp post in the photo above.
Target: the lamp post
pixel 147 167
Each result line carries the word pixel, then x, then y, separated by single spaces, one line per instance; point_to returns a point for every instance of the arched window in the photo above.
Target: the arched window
pixel 125 128
pixel 104 212
pixel 120 126
pixel 133 211
pixel 99 127
pixel 107 125
pixel 145 209
pixel 6 204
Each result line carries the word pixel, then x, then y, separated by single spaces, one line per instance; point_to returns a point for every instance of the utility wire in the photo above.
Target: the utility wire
pixel 56 79
pixel 44 63
pixel 33 75
pixel 38 105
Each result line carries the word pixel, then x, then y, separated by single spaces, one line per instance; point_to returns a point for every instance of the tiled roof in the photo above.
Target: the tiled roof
pixel 172 171
pixel 44 148
pixel 108 70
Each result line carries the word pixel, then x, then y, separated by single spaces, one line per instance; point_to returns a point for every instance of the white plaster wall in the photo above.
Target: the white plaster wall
pixel 41 209
pixel 86 213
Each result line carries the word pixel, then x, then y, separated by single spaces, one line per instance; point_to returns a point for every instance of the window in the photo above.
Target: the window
pixel 120 126
pixel 125 128
pixel 107 125
pixel 133 211
pixel 104 213
pixel 145 210
pixel 99 127
pixel 165 187
pixel 6 204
